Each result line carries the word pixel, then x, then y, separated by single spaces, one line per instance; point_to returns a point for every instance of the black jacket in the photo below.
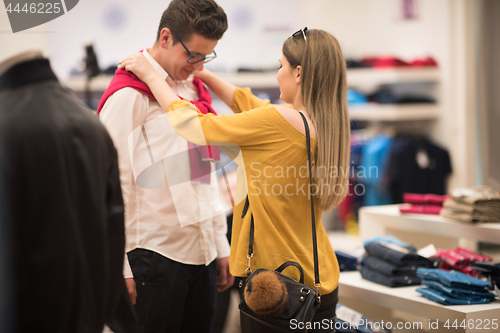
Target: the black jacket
pixel 64 205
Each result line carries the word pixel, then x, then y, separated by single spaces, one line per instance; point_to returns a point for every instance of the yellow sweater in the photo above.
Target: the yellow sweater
pixel 273 168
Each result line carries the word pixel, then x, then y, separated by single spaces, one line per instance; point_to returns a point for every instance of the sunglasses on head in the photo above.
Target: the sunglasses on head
pixel 301 31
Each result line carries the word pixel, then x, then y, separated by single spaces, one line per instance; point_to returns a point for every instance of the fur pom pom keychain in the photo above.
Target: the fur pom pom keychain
pixel 266 294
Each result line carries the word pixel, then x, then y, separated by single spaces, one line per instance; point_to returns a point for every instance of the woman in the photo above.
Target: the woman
pixel 312 78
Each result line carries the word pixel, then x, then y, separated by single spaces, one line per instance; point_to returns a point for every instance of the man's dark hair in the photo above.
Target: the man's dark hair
pixel 185 17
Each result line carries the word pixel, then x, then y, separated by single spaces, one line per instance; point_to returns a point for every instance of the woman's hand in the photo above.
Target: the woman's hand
pixel 203 74
pixel 140 66
pixel 223 89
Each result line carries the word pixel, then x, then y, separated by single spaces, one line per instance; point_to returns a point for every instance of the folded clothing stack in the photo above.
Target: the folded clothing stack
pixel 473 205
pixel 460 260
pixel 391 264
pixel 492 272
pixel 389 96
pixel 453 288
pixel 423 203
pixel 390 62
pixel 356 97
pixel 351 321
pixel 346 261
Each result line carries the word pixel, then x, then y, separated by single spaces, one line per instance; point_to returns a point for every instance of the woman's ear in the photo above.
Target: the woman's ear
pixel 298 71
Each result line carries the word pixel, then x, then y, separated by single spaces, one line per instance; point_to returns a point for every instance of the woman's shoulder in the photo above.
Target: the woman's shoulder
pixel 293 117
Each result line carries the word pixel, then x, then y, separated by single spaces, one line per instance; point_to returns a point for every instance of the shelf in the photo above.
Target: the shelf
pixel 374 220
pixel 252 79
pixel 360 76
pixel 394 112
pixel 99 84
pixel 353 286
pixel 377 76
pixel 257 80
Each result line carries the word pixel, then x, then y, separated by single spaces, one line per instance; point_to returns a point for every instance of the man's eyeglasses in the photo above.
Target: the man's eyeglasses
pixel 301 31
pixel 193 59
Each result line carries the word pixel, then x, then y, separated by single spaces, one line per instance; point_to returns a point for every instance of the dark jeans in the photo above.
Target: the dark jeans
pixel 171 296
pixel 395 257
pixel 325 313
pixel 390 281
pixel 223 301
pixel 386 268
pixel 346 261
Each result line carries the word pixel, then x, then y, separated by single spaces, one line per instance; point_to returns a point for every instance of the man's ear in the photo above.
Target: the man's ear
pixel 298 72
pixel 165 37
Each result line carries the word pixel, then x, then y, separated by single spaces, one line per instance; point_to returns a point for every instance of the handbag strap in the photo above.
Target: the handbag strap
pixel 317 283
pixel 294 264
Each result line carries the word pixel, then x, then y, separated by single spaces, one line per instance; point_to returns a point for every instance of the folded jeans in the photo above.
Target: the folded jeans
pixel 389 281
pixel 389 269
pixel 438 296
pixel 452 278
pixel 396 255
pixel 459 293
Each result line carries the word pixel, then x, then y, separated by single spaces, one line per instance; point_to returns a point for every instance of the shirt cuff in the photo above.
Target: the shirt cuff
pixel 223 248
pixel 177 104
pixel 127 270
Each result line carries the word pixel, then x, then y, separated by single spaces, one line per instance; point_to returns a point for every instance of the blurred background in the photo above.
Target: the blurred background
pixel 423 77
pixel 422 70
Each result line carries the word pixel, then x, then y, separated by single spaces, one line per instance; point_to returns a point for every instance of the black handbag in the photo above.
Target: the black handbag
pixel 273 299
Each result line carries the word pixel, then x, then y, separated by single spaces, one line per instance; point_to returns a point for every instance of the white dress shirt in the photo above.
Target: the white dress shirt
pixel 164 210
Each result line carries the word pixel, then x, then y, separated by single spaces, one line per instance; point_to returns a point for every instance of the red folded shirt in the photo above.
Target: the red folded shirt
pixel 421 209
pixel 384 62
pixel 460 260
pixel 460 257
pixel 425 62
pixel 425 199
pixel 472 256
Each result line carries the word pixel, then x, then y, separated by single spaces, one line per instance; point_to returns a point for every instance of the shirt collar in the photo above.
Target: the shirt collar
pixel 155 64
pixel 164 74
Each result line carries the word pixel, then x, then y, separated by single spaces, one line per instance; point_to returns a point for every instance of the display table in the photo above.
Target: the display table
pixel 406 299
pixel 375 221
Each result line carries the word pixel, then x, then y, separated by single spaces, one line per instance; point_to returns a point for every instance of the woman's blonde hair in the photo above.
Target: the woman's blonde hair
pixel 324 94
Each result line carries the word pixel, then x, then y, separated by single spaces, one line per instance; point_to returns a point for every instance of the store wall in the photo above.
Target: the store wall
pixel 257 29
pixel 375 28
pixel 11 44
pixel 116 29
pixel 489 99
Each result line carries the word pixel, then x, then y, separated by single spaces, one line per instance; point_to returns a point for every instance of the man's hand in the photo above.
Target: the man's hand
pixel 132 292
pixel 224 279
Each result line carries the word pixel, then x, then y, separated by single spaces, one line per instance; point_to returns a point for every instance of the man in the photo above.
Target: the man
pixel 64 207
pixel 175 226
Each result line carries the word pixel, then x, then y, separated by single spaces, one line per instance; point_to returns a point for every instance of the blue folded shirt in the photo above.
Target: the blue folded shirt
pixel 440 297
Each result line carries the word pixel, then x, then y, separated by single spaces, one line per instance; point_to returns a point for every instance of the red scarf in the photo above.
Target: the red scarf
pixel 199 156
